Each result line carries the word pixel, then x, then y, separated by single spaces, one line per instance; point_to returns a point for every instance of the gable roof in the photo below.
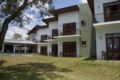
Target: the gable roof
pixel 37 27
pixel 65 9
pixel 91 4
pixel 47 20
pixel 59 11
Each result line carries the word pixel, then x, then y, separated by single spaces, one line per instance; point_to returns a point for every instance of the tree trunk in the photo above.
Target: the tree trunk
pixel 9 19
pixel 3 31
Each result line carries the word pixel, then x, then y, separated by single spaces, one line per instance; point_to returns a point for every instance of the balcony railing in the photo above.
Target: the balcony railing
pixel 112 15
pixel 70 32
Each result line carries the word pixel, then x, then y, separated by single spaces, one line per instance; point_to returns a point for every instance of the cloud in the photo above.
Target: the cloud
pixel 15 29
pixel 36 19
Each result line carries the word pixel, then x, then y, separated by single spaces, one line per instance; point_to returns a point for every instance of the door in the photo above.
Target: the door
pixel 43 50
pixel 113 45
pixel 54 50
pixel 69 49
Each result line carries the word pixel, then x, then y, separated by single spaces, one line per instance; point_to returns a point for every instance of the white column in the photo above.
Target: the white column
pixel 3 47
pixel 38 49
pixel 78 48
pixel 14 47
pixel 49 48
pixel 78 28
pixel 25 49
pixel 60 49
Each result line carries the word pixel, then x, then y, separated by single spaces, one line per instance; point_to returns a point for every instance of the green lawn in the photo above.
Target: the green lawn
pixel 51 68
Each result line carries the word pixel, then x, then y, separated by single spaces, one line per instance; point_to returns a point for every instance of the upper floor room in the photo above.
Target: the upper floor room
pixel 105 10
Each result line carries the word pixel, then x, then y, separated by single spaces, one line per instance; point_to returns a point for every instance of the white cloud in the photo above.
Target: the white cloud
pixel 84 1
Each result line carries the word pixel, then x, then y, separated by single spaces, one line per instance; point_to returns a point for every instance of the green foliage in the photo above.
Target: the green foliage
pixel 9 7
pixel 17 36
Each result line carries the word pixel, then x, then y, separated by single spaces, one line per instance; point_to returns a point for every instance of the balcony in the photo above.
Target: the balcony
pixel 50 38
pixel 68 33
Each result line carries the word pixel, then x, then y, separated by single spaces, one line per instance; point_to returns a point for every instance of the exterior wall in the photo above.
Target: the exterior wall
pixel 99 11
pixel 86 31
pixel 100 37
pixel 68 18
pixel 32 36
pixel 41 32
pixel 103 28
pixel 52 25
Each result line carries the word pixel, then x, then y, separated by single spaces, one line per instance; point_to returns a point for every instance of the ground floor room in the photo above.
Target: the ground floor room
pixel 108 41
pixel 10 48
pixel 62 48
pixel 66 49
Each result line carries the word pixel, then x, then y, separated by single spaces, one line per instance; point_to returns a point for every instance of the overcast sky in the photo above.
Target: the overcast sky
pixel 57 4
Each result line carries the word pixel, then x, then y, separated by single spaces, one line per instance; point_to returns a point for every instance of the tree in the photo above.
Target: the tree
pixel 17 36
pixel 12 11
pixel 0 24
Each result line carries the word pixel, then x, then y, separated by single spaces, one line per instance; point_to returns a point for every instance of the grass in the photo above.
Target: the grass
pixel 51 68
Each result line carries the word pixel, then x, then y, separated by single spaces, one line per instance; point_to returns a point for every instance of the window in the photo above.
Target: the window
pixel 112 11
pixel 69 28
pixel 84 43
pixel 54 32
pixel 43 37
pixel 113 8
pixel 83 23
pixel 113 42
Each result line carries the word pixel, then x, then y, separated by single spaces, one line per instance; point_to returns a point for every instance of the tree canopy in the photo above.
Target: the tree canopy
pixel 13 12
pixel 17 36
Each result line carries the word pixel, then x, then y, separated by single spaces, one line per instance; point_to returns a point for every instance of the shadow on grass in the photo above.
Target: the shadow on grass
pixel 32 71
pixel 89 59
pixel 2 62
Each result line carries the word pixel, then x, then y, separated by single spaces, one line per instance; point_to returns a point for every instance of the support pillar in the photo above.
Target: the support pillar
pixel 38 49
pixel 14 48
pixel 78 48
pixel 49 48
pixel 60 49
pixel 78 28
pixel 25 49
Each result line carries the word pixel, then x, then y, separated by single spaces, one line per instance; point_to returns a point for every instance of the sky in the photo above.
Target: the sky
pixel 57 3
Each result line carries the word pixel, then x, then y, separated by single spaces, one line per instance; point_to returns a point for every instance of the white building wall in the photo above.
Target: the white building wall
pixel 32 36
pixel 40 32
pixel 52 25
pixel 99 9
pixel 68 18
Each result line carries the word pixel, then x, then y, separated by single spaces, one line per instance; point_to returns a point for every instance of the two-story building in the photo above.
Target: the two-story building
pixel 107 25
pixel 68 33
